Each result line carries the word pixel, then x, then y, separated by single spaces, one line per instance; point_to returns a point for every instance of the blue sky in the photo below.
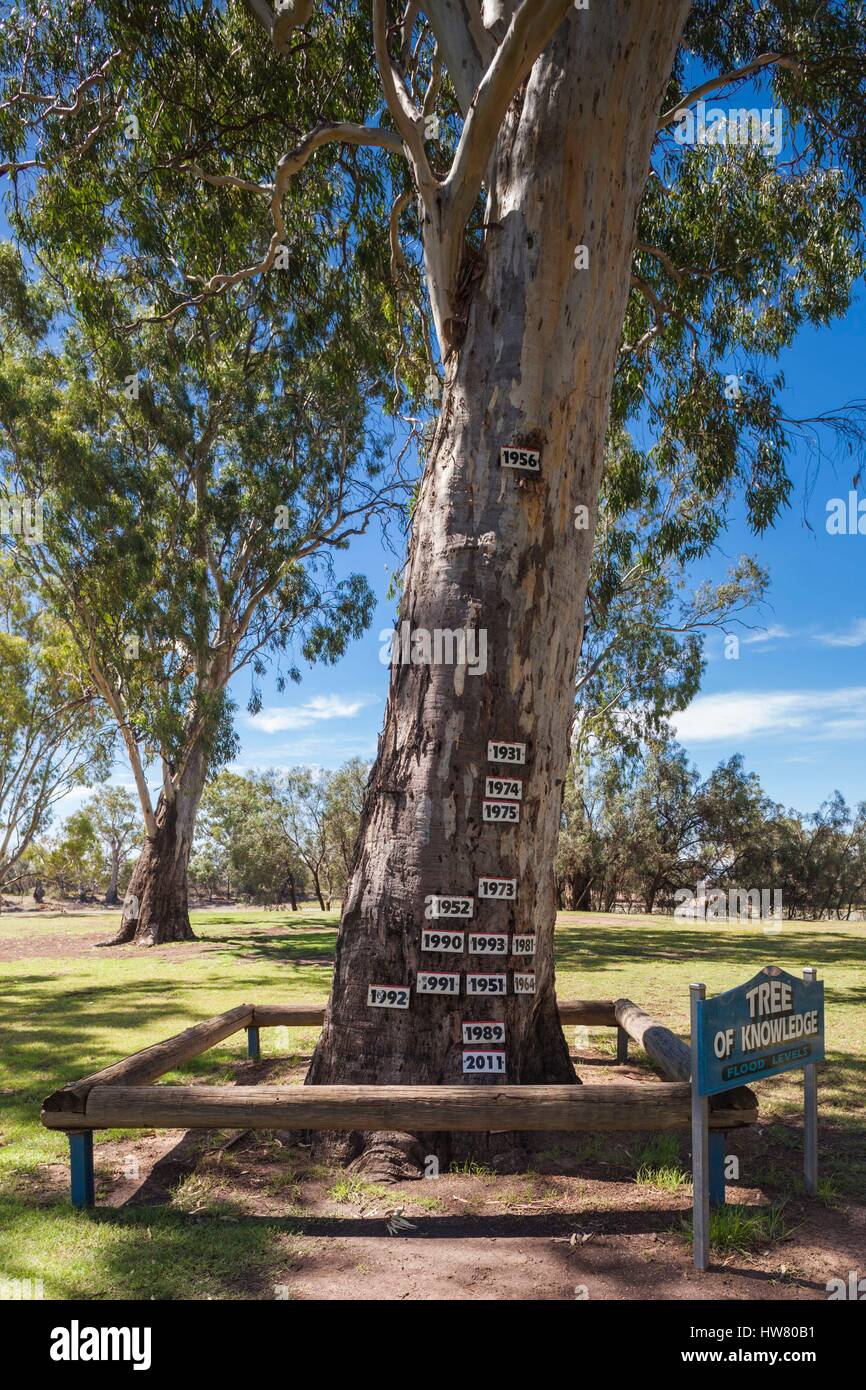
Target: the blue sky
pixel 794 702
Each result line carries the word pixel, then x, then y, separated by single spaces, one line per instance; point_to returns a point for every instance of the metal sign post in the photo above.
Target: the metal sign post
pixel 700 1146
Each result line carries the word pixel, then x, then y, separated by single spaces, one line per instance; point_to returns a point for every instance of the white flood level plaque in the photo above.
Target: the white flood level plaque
pixel 486 984
pixel 388 996
pixel 524 984
pixel 451 907
pixel 506 788
pixel 488 944
pixel 524 460
pixel 433 940
pixel 485 1031
pixel 498 888
pixel 499 751
pixel 500 812
pixel 436 983
pixel 523 944
pixel 487 1060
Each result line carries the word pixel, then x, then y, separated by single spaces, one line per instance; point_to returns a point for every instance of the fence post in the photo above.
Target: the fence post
pixel 810 1112
pixel 700 1147
pixel 717 1167
pixel 621 1046
pixel 81 1167
pixel 254 1051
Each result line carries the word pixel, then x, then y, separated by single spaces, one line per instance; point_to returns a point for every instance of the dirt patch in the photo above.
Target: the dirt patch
pixel 576 1225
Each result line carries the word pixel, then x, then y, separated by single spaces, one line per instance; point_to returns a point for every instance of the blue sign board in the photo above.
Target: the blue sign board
pixel 772 1024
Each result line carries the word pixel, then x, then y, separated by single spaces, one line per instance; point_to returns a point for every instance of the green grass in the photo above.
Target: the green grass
pixel 62 1016
pixel 667 1178
pixel 740 1230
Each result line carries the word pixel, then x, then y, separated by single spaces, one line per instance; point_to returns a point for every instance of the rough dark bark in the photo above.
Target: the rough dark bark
pixel 498 552
pixel 111 897
pixel 290 885
pixel 156 904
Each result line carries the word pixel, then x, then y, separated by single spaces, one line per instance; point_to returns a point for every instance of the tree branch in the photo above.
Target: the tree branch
pixel 407 117
pixel 723 79
pixel 464 43
pixel 530 29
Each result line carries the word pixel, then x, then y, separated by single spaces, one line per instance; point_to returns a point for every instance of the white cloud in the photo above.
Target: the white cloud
pixel 854 637
pixel 320 707
pixel 765 634
pixel 741 715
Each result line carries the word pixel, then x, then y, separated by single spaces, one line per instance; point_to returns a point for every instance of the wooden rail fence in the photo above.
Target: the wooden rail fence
pixel 122 1096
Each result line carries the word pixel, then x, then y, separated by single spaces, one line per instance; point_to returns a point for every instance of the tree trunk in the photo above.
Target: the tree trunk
pixel 111 895
pixel 156 906
pixel 318 889
pixel 290 884
pixel 495 552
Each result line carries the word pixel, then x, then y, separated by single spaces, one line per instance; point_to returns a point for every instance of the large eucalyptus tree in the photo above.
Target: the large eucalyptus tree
pixel 591 257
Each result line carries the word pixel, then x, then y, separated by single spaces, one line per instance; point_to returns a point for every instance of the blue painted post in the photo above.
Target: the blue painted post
pixel 254 1051
pixel 81 1167
pixel 717 1167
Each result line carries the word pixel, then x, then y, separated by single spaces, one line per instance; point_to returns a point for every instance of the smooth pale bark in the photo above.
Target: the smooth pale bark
pixel 155 907
pixel 493 551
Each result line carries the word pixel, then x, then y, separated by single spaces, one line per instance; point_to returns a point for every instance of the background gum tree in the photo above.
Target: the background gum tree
pixel 200 476
pixel 583 268
pixel 52 740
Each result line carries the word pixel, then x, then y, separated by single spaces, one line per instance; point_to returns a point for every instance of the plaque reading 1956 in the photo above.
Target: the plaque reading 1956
pixel 524 460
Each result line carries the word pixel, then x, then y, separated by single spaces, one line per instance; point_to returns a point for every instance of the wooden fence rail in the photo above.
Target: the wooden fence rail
pixel 662 1105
